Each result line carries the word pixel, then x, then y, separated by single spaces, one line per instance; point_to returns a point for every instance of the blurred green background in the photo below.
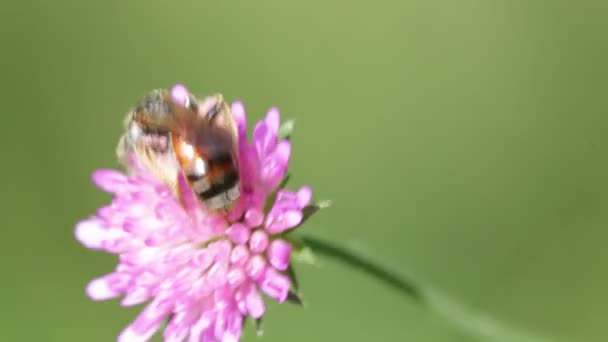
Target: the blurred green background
pixel 463 142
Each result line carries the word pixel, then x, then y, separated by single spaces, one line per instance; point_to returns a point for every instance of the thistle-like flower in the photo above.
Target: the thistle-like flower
pixel 201 272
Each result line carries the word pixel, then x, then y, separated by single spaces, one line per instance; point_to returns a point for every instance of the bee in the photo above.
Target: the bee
pixel 198 140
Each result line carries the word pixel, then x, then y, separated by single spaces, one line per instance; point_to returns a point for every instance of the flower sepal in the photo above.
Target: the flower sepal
pixel 259 326
pixel 286 129
pixel 295 298
pixel 304 255
pixel 311 209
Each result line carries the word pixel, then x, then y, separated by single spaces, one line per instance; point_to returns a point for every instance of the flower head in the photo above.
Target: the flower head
pixel 201 271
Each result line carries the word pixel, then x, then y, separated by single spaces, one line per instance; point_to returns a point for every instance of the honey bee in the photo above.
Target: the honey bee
pixel 198 140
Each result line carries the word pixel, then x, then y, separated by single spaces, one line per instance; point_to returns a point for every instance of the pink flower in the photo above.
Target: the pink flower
pixel 202 272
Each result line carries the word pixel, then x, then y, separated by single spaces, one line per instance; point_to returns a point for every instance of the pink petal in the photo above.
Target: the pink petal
pixel 147 323
pixel 255 267
pixel 283 221
pixel 102 289
pixel 304 196
pixel 240 118
pixel 239 255
pixel 199 331
pixel 283 151
pixel 239 207
pixel 190 201
pixel 130 334
pixel 254 302
pixel 229 337
pixel 236 277
pixel 175 333
pixel 180 324
pixel 273 120
pixel 119 245
pixel 271 176
pixel 260 139
pixel 223 250
pixel 180 93
pixel 218 328
pixel 275 285
pixel 279 253
pixel 249 166
pixel 254 217
pixel 239 298
pixel 257 200
pixel 202 259
pixel 263 140
pixel 214 224
pixel 141 256
pixel 258 241
pixel 110 181
pixel 286 200
pixel 238 233
pixel 275 166
pixel 234 326
pixel 164 211
pixel 136 296
pixel 216 275
pixel 91 233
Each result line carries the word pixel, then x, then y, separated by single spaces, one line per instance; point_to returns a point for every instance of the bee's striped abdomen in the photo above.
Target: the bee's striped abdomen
pixel 218 184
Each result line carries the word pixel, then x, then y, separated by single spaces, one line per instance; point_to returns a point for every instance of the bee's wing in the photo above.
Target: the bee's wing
pixel 123 150
pixel 163 165
pixel 217 112
pixel 125 146
pixel 228 121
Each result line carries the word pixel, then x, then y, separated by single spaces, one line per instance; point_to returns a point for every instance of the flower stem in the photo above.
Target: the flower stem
pixel 476 324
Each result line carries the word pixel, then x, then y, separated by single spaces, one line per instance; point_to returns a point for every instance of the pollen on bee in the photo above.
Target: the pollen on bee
pixel 199 168
pixel 187 150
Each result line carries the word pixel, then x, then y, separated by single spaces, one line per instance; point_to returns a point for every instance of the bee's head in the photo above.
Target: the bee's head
pixel 155 111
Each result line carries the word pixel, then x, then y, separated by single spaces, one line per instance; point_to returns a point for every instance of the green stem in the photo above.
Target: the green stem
pixel 478 325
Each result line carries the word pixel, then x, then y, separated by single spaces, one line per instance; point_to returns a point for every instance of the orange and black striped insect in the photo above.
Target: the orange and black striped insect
pixel 197 139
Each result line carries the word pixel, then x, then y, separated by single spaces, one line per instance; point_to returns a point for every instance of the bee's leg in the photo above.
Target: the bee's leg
pixel 191 103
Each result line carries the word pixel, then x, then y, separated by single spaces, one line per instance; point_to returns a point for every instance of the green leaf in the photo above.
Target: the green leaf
pixel 244 323
pixel 309 210
pixel 286 129
pixel 480 326
pixel 294 298
pixel 292 277
pixel 405 285
pixel 284 181
pixel 273 196
pixel 259 327
pixel 304 255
